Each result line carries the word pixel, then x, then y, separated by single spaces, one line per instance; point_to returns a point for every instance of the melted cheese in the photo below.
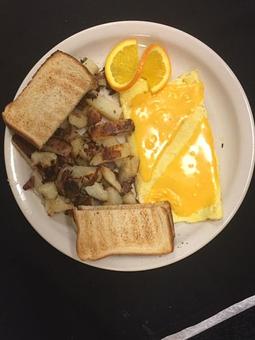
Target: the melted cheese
pixel 174 143
pixel 190 182
pixel 157 118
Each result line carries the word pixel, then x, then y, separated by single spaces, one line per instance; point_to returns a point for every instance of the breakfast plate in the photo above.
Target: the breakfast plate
pixel 229 114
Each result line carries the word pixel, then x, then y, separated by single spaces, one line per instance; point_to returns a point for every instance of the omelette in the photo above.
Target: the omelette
pixel 174 143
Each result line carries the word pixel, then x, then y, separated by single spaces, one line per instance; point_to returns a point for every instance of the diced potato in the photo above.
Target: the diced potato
pixel 119 162
pixel 63 174
pixel 90 66
pixel 110 177
pixel 109 141
pixel 80 171
pixel 124 151
pixel 107 106
pixel 77 146
pixel 129 168
pixel 113 197
pixel 37 179
pixel 102 81
pixel 129 198
pixel 92 94
pixel 98 159
pixel 57 205
pixel 99 176
pixel 81 161
pixel 78 119
pixel 45 159
pixel 116 97
pixel 48 190
pixel 67 134
pixel 83 153
pixel 111 166
pixel 121 139
pixel 97 191
pixel 81 132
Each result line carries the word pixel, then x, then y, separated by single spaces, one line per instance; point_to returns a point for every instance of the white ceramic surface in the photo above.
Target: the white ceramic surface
pixel 231 120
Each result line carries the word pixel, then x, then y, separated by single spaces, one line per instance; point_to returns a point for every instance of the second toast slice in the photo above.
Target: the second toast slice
pixel 141 229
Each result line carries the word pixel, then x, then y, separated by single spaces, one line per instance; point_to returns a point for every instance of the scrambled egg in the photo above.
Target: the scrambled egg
pixel 174 143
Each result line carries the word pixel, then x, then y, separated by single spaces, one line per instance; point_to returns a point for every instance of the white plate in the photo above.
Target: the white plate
pixel 231 120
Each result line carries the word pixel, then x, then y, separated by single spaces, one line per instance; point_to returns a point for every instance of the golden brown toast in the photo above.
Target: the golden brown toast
pixel 139 229
pixel 54 91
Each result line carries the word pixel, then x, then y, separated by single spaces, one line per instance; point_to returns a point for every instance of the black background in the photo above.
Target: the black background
pixel 46 295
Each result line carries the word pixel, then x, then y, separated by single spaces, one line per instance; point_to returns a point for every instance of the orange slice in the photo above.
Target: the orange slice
pixel 155 67
pixel 121 66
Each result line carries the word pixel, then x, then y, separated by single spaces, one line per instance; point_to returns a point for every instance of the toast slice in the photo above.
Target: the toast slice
pixel 54 91
pixel 139 229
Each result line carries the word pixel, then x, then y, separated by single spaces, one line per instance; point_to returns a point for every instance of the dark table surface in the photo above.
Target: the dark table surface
pixel 46 295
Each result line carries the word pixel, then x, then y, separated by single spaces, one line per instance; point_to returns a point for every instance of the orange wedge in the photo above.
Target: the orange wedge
pixel 155 67
pixel 121 66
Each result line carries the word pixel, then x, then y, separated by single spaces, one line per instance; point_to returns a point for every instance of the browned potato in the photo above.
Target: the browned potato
pixel 45 159
pixel 106 106
pixel 119 162
pixel 81 161
pixel 93 115
pixel 48 190
pixel 101 80
pixel 97 191
pixel 129 168
pixel 114 128
pixel 78 171
pixel 77 146
pixel 68 134
pixel 110 141
pixel 57 205
pixel 113 197
pixel 90 149
pixel 110 177
pixel 129 198
pixel 90 66
pixel 78 119
pixel 37 179
pixel 63 175
pixel 111 153
pixel 58 146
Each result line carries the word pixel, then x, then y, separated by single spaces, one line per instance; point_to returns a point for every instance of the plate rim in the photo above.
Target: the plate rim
pixel 241 92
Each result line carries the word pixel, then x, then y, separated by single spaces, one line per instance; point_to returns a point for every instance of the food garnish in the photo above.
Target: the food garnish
pixel 123 68
pixel 122 64
pixel 155 67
